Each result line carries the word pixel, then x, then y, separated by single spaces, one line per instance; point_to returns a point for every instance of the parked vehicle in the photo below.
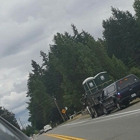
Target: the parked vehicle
pixel 47 128
pixel 120 93
pixel 10 132
pixel 41 131
pixel 93 91
pixel 108 99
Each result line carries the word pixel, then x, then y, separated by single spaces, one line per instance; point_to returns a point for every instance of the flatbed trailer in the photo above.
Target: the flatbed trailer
pixel 93 91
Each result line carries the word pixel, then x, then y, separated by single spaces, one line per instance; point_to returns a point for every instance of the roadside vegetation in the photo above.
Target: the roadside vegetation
pixel 73 58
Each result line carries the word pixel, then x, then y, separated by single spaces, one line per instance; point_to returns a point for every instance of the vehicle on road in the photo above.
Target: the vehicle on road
pixel 10 132
pixel 120 93
pixel 41 131
pixel 93 91
pixel 108 99
pixel 47 128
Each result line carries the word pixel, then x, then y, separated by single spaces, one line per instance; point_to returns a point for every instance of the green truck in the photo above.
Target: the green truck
pixel 93 87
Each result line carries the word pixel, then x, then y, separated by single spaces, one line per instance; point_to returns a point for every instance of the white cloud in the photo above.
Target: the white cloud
pixel 14 101
pixel 27 27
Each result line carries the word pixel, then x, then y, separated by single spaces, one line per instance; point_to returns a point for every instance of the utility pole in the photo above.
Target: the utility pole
pixel 58 108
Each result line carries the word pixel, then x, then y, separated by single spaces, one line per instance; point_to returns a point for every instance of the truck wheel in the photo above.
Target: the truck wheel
pixel 95 113
pixel 92 116
pixel 100 111
pixel 91 113
pixel 119 106
pixel 105 111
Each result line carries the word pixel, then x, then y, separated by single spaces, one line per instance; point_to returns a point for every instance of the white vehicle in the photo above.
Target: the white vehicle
pixel 47 128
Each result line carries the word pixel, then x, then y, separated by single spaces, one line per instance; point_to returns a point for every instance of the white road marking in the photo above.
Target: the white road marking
pixel 74 123
pixel 105 118
pixel 114 117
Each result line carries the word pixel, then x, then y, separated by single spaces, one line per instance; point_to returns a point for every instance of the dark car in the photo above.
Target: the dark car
pixel 10 132
pixel 120 93
pixel 41 131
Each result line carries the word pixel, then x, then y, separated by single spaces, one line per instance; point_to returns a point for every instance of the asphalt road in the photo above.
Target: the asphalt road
pixel 120 125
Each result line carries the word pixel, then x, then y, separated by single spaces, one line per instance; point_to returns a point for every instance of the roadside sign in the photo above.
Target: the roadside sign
pixel 66 108
pixel 63 111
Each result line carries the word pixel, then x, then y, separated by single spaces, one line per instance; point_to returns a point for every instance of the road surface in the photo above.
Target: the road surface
pixel 120 125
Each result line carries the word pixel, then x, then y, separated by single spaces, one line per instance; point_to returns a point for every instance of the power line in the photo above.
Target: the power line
pixel 21 123
pixel 39 104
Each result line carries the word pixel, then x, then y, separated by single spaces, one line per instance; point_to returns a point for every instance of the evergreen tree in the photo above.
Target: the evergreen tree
pixel 72 58
pixel 121 33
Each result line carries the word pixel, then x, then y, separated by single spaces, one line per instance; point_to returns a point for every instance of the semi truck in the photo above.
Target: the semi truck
pixel 93 87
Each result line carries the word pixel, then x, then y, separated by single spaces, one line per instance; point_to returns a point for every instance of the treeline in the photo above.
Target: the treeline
pixel 72 58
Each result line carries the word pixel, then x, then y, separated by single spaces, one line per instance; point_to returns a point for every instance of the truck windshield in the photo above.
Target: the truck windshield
pixel 126 81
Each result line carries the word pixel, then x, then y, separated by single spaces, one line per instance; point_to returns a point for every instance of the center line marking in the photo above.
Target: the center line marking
pixel 63 137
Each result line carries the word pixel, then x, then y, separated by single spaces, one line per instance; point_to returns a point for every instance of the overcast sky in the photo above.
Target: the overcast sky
pixel 28 26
